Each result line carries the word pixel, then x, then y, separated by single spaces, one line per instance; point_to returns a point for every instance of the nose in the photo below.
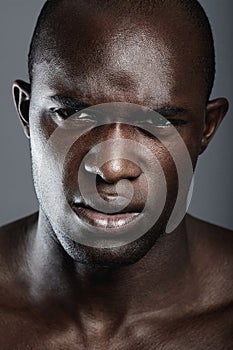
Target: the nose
pixel 117 167
pixel 116 170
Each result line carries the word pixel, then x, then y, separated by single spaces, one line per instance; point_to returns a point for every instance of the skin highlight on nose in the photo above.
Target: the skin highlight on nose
pixel 115 170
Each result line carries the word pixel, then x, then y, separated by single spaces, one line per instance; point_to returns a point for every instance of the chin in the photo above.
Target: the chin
pixel 110 257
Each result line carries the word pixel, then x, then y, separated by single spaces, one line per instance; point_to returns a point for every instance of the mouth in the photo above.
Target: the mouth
pixel 105 221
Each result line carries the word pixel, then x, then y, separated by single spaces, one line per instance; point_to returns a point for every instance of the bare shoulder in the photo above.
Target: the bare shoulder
pixel 211 247
pixel 14 232
pixel 213 237
pixel 14 235
pixel 17 225
pixel 13 245
pixel 13 242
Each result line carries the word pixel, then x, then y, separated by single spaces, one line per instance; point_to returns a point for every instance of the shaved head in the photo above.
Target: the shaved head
pixel 84 53
pixel 185 16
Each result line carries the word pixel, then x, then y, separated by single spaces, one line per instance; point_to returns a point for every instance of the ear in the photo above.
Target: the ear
pixel 21 94
pixel 215 112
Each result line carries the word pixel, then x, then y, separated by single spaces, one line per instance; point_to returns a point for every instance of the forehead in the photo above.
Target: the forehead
pixel 102 55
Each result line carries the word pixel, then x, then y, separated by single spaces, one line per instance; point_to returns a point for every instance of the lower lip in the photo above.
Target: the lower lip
pixel 100 220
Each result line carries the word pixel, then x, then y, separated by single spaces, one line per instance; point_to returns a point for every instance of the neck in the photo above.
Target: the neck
pixel 155 283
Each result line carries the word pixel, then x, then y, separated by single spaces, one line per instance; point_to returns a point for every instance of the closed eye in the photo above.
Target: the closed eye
pixel 64 112
pixel 159 120
pixel 71 113
pixel 171 113
pixel 177 122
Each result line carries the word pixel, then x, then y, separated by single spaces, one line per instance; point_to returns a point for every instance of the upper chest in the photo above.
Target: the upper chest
pixel 30 330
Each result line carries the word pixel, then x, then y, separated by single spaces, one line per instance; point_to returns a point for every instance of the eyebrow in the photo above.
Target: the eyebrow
pixel 78 104
pixel 70 101
pixel 170 111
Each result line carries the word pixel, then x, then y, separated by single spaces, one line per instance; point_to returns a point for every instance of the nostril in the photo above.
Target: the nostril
pixel 101 180
pixel 118 169
pixel 113 170
pixel 92 169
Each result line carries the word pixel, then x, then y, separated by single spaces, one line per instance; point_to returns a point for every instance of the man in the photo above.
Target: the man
pixel 160 290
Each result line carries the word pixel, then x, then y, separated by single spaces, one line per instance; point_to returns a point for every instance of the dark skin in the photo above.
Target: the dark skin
pixel 162 291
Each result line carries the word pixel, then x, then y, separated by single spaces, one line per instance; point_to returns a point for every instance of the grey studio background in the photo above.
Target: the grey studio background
pixel 213 191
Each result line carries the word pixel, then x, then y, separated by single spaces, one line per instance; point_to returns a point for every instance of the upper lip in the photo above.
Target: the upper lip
pixel 131 208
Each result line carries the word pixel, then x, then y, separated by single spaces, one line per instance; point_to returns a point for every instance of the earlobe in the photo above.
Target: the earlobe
pixel 215 112
pixel 21 94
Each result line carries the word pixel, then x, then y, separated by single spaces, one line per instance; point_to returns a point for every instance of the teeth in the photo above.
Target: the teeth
pixel 112 223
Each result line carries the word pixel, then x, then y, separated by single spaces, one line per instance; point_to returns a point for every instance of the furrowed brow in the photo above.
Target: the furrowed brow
pixel 170 111
pixel 69 101
pixel 75 103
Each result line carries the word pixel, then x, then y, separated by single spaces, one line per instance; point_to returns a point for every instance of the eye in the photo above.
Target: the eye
pixel 64 113
pixel 177 122
pixel 153 119
pixel 158 120
pixel 73 114
pixel 163 123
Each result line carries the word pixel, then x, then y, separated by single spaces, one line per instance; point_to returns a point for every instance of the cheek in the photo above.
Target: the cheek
pixel 45 159
pixel 168 164
pixel 192 138
pixel 72 164
pixel 177 156
pixel 39 138
pixel 41 126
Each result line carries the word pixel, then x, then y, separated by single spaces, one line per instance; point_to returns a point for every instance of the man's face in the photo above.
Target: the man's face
pixel 102 60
